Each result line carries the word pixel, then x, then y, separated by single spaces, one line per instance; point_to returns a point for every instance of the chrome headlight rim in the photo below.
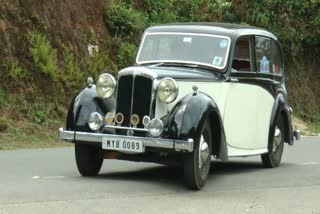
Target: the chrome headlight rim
pixel 101 83
pixel 170 98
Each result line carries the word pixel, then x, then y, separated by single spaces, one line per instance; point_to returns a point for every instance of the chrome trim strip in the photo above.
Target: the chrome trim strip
pixel 233 79
pixel 126 128
pixel 132 101
pixel 153 96
pixel 177 145
pixel 138 71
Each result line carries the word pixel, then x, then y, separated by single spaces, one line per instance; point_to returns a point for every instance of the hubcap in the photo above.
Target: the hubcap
pixel 203 153
pixel 276 139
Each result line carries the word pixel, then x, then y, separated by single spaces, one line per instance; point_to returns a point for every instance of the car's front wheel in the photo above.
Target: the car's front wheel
pixel 197 164
pixel 88 160
pixel 273 157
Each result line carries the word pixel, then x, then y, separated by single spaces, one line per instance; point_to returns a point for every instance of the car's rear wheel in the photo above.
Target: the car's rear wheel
pixel 273 157
pixel 197 164
pixel 88 159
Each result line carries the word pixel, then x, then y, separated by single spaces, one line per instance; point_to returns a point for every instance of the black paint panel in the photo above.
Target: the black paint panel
pixel 188 116
pixel 124 96
pixel 142 99
pixel 86 102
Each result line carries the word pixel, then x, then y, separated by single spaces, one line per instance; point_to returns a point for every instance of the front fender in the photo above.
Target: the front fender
pixel 188 116
pixel 86 102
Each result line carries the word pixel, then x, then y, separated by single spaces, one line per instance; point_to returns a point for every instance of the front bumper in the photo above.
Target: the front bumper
pixel 175 145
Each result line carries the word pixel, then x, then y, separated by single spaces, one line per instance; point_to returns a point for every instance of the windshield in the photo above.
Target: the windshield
pixel 201 49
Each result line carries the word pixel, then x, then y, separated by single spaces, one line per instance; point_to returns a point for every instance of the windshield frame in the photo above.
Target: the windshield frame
pixel 184 61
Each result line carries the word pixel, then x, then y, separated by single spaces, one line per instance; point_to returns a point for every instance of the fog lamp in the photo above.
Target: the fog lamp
pixel 95 121
pixel 155 127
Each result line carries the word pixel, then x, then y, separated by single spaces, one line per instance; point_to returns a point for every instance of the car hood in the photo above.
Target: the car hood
pixel 175 72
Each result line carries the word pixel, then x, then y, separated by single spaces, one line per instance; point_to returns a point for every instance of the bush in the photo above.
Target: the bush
pixel 160 11
pixel 126 54
pixel 43 55
pixel 16 71
pixel 124 21
pixel 72 76
pixel 3 96
pixel 98 63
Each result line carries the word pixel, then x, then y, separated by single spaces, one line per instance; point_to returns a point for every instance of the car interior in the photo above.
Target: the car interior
pixel 243 55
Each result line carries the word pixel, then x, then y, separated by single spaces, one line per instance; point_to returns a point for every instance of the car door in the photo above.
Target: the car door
pixel 269 68
pixel 248 104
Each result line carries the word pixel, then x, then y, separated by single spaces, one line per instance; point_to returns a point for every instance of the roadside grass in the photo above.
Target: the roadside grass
pixel 314 128
pixel 24 134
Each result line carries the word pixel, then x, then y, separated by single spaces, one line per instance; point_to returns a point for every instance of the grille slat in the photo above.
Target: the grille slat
pixel 141 92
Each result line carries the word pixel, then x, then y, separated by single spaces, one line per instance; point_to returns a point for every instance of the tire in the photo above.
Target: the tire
pixel 195 176
pixel 273 157
pixel 88 160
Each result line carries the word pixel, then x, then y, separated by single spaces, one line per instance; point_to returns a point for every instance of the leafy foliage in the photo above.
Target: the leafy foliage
pixel 98 63
pixel 16 71
pixel 3 96
pixel 123 20
pixel 126 54
pixel 44 56
pixel 72 76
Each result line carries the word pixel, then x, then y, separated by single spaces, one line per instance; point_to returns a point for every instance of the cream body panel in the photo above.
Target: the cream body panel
pixel 247 115
pixel 245 110
pixel 185 88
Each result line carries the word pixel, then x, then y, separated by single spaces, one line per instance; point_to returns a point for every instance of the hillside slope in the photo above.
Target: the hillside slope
pixel 44 57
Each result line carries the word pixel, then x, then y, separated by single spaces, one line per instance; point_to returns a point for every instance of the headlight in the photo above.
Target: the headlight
pixel 155 127
pixel 167 90
pixel 95 121
pixel 106 85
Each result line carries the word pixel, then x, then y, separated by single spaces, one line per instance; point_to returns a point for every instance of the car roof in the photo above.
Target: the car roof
pixel 231 30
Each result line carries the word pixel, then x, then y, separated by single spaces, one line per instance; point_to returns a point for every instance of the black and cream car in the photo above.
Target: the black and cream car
pixel 197 92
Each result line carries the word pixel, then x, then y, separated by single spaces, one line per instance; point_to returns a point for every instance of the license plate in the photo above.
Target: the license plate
pixel 123 145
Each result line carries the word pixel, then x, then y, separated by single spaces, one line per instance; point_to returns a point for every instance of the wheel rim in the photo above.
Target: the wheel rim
pixel 276 139
pixel 203 156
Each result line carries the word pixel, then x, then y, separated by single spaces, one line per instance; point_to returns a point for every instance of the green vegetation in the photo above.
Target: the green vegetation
pixel 123 21
pixel 2 97
pixel 296 23
pixel 44 59
pixel 126 54
pixel 43 55
pixel 16 71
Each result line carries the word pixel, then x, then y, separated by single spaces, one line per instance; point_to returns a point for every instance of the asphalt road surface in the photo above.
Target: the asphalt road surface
pixel 47 181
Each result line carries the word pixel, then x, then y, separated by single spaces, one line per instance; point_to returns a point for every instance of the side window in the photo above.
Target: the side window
pixel 277 60
pixel 242 58
pixel 263 54
pixel 268 56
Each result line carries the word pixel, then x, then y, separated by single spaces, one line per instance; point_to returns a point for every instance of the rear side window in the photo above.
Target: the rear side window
pixel 268 56
pixel 242 55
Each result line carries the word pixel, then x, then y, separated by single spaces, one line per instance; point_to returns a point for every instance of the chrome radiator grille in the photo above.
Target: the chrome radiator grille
pixel 133 97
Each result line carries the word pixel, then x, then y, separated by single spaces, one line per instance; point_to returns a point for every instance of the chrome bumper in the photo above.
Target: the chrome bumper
pixel 176 145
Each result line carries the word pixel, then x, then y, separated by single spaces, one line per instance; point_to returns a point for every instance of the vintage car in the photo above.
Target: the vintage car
pixel 197 92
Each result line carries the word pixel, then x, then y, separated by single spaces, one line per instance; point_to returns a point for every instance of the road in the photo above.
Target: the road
pixel 47 181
